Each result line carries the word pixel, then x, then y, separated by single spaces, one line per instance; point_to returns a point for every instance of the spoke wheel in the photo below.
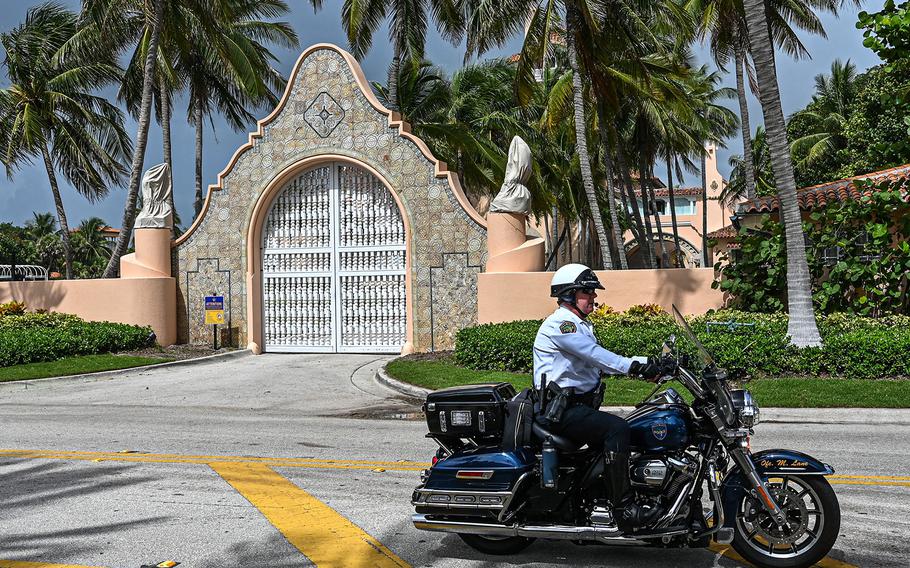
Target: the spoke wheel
pixel 812 521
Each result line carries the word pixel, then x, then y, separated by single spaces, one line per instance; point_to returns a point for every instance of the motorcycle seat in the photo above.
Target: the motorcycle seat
pixel 559 441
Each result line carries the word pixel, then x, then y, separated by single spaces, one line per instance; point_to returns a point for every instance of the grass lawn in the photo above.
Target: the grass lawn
pixel 784 392
pixel 76 366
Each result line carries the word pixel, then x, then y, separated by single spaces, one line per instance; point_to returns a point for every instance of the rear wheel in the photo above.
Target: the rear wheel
pixel 812 522
pixel 496 544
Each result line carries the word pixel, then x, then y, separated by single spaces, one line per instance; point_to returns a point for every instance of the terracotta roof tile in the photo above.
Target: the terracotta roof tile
pixel 678 192
pixel 825 193
pixel 727 232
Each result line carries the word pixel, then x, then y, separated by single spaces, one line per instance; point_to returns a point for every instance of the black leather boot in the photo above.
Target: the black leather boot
pixel 629 515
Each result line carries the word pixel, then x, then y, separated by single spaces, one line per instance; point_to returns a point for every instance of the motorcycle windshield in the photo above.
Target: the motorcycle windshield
pixel 703 355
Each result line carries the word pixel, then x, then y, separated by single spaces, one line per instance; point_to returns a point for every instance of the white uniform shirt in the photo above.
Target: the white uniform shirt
pixel 566 350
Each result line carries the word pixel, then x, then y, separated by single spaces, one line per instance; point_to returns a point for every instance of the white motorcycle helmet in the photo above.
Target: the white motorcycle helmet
pixel 570 278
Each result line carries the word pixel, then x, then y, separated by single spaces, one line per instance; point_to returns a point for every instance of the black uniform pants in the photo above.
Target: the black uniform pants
pixel 585 425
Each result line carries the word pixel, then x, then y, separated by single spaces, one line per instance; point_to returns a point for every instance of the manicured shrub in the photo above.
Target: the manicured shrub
pixel 34 337
pixel 746 344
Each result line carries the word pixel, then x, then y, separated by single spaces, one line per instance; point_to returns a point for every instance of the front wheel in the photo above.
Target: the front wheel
pixel 813 521
pixel 497 544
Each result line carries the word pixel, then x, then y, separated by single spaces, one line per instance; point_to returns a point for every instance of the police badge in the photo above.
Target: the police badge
pixel 659 429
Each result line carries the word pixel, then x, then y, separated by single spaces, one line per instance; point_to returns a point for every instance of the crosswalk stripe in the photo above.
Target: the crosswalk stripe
pixel 327 538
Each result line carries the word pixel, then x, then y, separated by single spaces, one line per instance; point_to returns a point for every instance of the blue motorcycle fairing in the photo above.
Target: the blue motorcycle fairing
pixel 659 430
pixel 768 463
pixel 507 467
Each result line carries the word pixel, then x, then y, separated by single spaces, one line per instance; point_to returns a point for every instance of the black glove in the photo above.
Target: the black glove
pixel 648 371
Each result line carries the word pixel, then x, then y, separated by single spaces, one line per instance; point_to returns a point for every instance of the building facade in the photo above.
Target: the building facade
pixel 333 229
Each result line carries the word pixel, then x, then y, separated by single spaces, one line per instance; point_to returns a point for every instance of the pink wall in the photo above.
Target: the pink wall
pixel 512 296
pixel 139 301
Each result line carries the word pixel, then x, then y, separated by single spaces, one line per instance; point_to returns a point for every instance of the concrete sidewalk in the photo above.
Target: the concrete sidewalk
pixel 894 416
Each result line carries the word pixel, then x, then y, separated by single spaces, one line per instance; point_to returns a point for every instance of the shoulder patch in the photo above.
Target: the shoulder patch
pixel 567 327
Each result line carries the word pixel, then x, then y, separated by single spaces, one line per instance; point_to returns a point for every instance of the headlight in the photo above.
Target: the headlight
pixel 746 408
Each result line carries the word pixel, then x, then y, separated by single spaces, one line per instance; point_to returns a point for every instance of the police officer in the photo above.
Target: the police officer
pixel 567 353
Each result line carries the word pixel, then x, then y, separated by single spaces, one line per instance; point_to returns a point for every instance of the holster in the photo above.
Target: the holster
pixel 558 401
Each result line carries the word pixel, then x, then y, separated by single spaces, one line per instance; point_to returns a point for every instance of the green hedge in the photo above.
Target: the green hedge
pixel 854 347
pixel 35 337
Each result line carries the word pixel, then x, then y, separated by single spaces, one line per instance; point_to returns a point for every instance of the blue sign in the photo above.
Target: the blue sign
pixel 214 302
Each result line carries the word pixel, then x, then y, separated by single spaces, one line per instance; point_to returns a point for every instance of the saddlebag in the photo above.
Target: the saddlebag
pixel 469 411
pixel 519 420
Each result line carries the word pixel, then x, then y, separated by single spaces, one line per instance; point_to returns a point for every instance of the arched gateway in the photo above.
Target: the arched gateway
pixel 333 264
pixel 333 229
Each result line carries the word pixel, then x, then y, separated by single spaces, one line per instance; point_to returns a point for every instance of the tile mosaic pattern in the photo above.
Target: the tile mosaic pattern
pixel 439 226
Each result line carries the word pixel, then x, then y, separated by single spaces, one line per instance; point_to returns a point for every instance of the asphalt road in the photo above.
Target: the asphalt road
pixel 291 460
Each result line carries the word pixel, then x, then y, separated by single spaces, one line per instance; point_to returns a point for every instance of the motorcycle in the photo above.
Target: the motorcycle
pixel 501 479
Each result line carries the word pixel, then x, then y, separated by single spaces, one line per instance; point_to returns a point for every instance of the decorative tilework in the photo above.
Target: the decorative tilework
pixel 448 248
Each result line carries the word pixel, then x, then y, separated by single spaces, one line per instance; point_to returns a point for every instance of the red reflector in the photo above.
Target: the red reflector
pixel 484 474
pixel 435 459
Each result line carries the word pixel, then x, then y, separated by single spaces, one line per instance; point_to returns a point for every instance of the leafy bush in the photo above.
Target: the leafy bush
pixel 755 345
pixel 12 309
pixel 858 255
pixel 35 337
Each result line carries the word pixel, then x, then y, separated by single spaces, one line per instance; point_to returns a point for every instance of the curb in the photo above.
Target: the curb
pixel 406 389
pixel 85 377
pixel 770 415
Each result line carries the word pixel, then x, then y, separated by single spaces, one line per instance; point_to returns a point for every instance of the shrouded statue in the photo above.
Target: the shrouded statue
pixel 513 196
pixel 156 199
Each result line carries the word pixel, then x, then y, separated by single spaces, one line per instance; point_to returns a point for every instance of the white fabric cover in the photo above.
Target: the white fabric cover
pixel 513 196
pixel 156 192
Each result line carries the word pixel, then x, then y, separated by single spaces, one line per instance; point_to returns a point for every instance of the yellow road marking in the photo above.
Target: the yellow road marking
pixel 727 550
pixel 204 459
pixel 24 564
pixel 324 536
pixel 857 482
pixel 892 477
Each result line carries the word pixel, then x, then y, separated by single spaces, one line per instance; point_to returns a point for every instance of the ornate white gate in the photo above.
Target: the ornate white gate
pixel 334 264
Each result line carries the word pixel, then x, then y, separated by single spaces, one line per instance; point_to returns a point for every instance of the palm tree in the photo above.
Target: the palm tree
pixel 226 68
pixel 736 189
pixel 49 109
pixel 723 22
pixel 827 116
pixel 802 328
pixel 41 224
pixel 124 23
pixel 90 247
pixel 407 21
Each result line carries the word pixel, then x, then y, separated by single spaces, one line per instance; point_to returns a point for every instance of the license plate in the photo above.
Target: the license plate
pixel 461 417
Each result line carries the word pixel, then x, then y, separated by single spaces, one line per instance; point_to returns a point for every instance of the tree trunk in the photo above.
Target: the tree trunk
pixel 704 211
pixel 165 99
pixel 662 250
pixel 649 228
pixel 61 213
pixel 677 261
pixel 611 188
pixel 802 328
pixel 643 237
pixel 581 142
pixel 197 120
pixel 394 71
pixel 745 127
pixel 129 210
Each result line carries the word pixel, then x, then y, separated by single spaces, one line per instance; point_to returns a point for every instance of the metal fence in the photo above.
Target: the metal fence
pixel 22 272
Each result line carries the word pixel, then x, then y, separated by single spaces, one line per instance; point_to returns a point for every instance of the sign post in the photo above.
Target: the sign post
pixel 214 315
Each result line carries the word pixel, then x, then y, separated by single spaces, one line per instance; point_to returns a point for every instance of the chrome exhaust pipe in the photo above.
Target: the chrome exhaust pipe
pixel 553 532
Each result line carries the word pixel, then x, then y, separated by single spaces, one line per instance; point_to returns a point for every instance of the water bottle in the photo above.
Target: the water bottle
pixel 549 465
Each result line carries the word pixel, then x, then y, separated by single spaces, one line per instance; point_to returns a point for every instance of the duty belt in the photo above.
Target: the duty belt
pixel 591 398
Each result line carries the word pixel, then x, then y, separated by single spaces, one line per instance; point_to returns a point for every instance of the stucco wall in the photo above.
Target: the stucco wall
pixel 516 296
pixel 447 240
pixel 139 301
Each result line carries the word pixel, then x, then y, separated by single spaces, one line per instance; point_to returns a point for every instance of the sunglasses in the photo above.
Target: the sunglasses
pixel 588 291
